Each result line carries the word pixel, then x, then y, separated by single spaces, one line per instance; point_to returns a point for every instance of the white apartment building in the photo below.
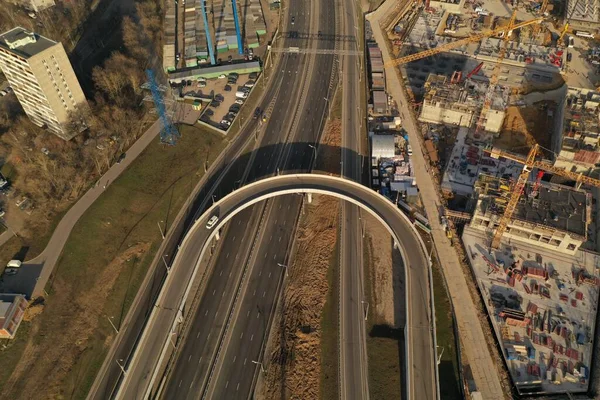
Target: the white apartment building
pixel 42 78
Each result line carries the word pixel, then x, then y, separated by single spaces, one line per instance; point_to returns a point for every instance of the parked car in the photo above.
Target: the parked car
pixel 201 84
pixel 234 75
pixel 239 101
pixel 253 75
pixel 11 271
pixel 222 76
pixel 249 84
pixel 215 103
pixel 209 112
pixel 121 158
pixel 227 88
pixel 225 122
pixel 219 97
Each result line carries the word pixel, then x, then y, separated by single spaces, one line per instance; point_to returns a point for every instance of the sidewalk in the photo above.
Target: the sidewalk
pixel 48 258
pixel 475 350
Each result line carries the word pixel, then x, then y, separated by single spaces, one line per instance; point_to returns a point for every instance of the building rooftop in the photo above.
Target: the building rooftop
pixel 583 10
pixel 468 95
pixel 581 127
pixel 24 43
pixel 556 206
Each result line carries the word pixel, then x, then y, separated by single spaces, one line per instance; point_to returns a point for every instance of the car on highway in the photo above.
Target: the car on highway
pixel 264 117
pixel 212 222
pixel 121 158
pixel 257 113
pixel 293 20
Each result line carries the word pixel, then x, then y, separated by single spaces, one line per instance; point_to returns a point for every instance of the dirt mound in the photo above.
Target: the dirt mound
pixel 294 364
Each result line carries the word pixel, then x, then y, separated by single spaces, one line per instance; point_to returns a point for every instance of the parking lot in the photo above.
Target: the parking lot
pixel 225 97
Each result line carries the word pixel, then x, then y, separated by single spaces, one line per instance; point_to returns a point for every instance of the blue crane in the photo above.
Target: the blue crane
pixel 169 133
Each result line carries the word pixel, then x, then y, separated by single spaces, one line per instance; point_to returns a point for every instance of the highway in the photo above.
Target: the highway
pixel 220 342
pixel 475 350
pixel 199 239
pixel 353 368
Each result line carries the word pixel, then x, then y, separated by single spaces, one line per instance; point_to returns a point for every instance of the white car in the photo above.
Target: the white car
pixel 212 221
pixel 222 76
pixel 239 101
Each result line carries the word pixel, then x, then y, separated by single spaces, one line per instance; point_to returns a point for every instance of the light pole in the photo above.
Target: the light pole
pixel 112 324
pixel 121 365
pixel 285 267
pixel 315 151
pixel 261 366
pixel 439 360
pixel 161 230
pixel 367 311
pixel 165 261
pixel 213 199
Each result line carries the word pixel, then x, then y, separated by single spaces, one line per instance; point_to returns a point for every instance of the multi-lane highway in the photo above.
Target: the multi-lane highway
pixel 199 238
pixel 353 368
pixel 215 357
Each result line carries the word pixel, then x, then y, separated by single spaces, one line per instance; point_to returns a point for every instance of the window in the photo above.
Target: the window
pixel 571 246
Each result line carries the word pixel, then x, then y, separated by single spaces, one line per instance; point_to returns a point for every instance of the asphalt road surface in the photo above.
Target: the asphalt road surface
pixel 354 373
pixel 223 348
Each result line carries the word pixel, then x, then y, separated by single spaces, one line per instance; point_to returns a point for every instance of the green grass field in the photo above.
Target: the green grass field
pixel 103 265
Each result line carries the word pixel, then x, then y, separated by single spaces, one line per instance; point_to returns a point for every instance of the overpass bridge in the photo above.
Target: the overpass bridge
pixel 143 373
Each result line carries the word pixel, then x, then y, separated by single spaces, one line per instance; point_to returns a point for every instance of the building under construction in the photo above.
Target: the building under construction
pixel 577 145
pixel 459 103
pixel 584 14
pixel 549 216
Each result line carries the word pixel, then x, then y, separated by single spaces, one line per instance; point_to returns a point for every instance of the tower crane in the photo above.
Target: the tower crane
pixel 529 163
pixel 501 32
pixel 487 103
pixel 566 27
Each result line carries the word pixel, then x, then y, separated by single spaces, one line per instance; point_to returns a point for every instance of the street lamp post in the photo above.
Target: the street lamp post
pixel 283 266
pixel 367 311
pixel 112 324
pixel 165 261
pixel 119 363
pixel 315 151
pixel 161 230
pixel 261 366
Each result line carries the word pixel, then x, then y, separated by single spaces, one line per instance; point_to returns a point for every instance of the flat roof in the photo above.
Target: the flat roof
pixel 214 69
pixel 557 206
pixel 24 43
pixel 583 10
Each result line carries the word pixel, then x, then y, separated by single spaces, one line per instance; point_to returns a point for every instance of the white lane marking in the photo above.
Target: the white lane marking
pixel 279 239
pixel 198 335
pixel 245 359
pixel 238 387
pixel 227 256
pixel 199 360
pixel 254 293
pixel 189 358
pixel 191 384
pixel 264 293
pixel 242 335
pixel 206 313
pixel 221 273
pixel 248 313
pixel 270 274
pixel 260 272
pixel 252 337
pixel 233 239
pixel 180 383
pixel 226 384
pixel 265 255
pixel 234 358
pixel 258 314
pixel 214 291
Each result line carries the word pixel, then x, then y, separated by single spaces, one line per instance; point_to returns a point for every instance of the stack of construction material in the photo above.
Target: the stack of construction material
pixel 169 46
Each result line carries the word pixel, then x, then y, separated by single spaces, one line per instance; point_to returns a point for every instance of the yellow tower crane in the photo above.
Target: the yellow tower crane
pixel 487 103
pixel 530 163
pixel 501 32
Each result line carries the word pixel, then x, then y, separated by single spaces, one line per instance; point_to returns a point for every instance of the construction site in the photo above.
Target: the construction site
pixel 199 32
pixel 513 86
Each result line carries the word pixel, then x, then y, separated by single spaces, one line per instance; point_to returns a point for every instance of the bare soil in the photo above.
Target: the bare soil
pixel 381 272
pixel 51 351
pixel 293 354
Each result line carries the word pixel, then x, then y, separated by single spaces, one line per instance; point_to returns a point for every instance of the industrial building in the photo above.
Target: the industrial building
pixel 43 80
pixel 576 145
pixel 12 310
pixel 548 216
pixel 212 32
pixel 584 14
pixel 460 103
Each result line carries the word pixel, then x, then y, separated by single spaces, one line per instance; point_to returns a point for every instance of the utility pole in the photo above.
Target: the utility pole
pixel 261 366
pixel 120 364
pixel 112 324
pixel 284 266
pixel 165 261
pixel 367 310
